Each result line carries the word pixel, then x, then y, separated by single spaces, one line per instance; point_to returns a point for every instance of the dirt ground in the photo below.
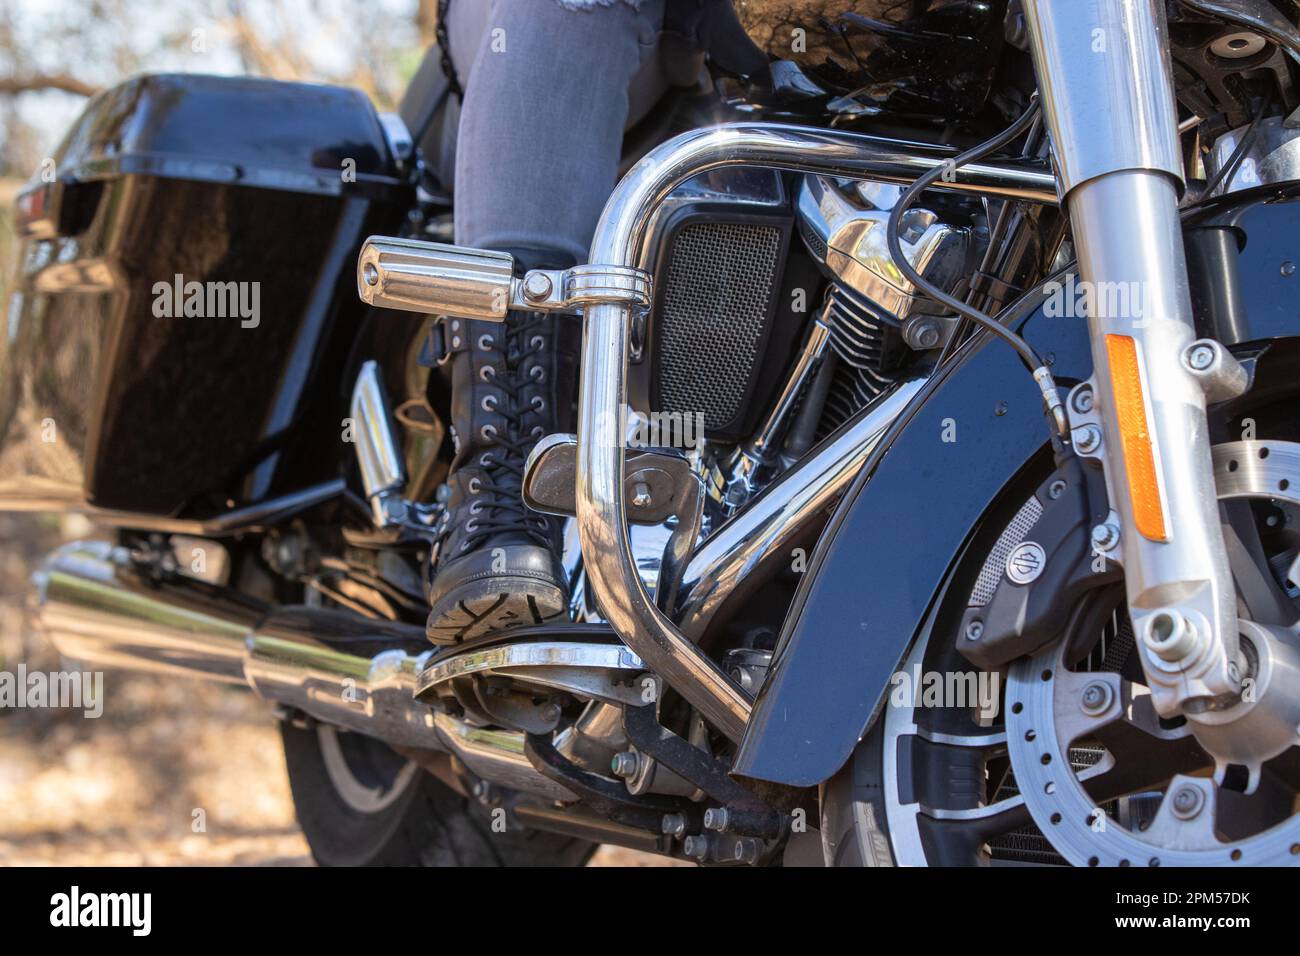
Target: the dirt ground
pixel 131 787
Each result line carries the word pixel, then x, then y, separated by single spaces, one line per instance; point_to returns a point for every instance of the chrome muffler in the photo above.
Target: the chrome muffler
pixel 96 610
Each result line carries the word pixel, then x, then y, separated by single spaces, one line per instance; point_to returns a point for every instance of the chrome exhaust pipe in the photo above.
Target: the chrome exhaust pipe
pixel 96 611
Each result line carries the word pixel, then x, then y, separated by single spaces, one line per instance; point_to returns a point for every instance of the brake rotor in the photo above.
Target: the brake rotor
pixel 1051 709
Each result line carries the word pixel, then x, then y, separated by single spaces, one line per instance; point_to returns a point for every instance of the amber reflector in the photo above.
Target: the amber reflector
pixel 1139 455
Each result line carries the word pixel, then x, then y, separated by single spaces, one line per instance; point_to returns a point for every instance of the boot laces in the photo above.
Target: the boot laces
pixel 501 485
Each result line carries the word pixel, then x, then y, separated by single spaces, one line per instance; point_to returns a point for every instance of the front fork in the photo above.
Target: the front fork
pixel 1107 96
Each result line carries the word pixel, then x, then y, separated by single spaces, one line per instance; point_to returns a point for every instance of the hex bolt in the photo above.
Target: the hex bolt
pixel 1105 536
pixel 537 286
pixel 641 495
pixel 925 334
pixel 1170 636
pixel 1199 357
pixel 1082 400
pixel 974 630
pixel 674 825
pixel 1187 802
pixel 1087 439
pixel 1096 699
pixel 747 850
pixel 716 818
pixel 370 274
pixel 697 847
pixel 624 764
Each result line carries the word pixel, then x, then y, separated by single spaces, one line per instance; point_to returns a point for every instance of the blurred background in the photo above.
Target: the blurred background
pixel 122 790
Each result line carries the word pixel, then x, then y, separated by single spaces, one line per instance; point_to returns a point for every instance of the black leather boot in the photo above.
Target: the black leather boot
pixel 497 563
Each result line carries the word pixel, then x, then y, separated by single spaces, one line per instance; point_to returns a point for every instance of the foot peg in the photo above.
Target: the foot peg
pixel 437 279
pixel 657 483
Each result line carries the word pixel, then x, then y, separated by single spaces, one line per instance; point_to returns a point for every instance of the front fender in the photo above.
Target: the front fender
pixel 880 565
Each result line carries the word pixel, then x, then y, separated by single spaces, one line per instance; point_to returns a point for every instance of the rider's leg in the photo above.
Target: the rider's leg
pixel 546 102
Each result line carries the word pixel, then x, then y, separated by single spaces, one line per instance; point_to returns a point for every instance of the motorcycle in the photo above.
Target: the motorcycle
pixel 935 487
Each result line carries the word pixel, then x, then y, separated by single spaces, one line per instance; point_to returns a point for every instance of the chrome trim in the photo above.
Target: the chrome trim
pixel 497 756
pixel 765 531
pixel 853 235
pixel 607 332
pixel 383 473
pixel 548 663
pixel 1105 82
pixel 1273 156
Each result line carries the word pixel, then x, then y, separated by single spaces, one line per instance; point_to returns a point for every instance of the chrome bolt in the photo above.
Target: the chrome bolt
pixel 537 286
pixel 1187 802
pixel 1105 536
pixel 674 825
pixel 1056 489
pixel 1200 357
pixel 747 850
pixel 1096 699
pixel 1288 269
pixel 974 630
pixel 1087 439
pixel 1082 401
pixel 715 818
pixel 624 764
pixel 641 495
pixel 1170 636
pixel 370 274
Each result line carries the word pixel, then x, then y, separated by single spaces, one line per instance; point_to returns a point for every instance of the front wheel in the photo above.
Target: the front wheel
pixel 359 803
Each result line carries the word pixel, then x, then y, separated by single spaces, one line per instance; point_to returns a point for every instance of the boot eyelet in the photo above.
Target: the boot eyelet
pixel 464 546
pixel 485 343
pixel 487 373
pixel 475 486
pixel 538 431
pixel 489 403
pixel 455 325
pixel 485 461
pixel 538 403
pixel 537 342
pixel 455 341
pixel 476 508
pixel 488 432
pixel 471 525
pixel 537 373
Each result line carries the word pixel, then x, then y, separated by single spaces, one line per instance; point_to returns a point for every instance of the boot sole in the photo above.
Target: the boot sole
pixel 493 605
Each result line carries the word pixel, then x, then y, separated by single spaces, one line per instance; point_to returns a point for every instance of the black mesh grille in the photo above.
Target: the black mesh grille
pixel 714 303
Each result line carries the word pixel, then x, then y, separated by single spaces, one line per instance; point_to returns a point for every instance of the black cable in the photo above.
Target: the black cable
pixel 1229 169
pixel 1033 361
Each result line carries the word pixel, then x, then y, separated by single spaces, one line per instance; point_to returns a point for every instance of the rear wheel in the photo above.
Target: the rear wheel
pixel 359 803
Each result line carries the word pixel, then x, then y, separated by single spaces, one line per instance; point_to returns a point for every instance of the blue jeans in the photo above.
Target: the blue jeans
pixel 550 86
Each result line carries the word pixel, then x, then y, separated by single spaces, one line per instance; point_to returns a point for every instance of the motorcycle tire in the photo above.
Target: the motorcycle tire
pixel 378 809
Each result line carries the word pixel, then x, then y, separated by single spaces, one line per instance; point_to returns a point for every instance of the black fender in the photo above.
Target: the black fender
pixel 885 556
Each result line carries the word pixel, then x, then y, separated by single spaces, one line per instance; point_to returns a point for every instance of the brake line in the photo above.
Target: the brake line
pixel 1028 354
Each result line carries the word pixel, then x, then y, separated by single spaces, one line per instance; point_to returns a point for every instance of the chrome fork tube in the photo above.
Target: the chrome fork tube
pixel 1107 95
pixel 602 527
